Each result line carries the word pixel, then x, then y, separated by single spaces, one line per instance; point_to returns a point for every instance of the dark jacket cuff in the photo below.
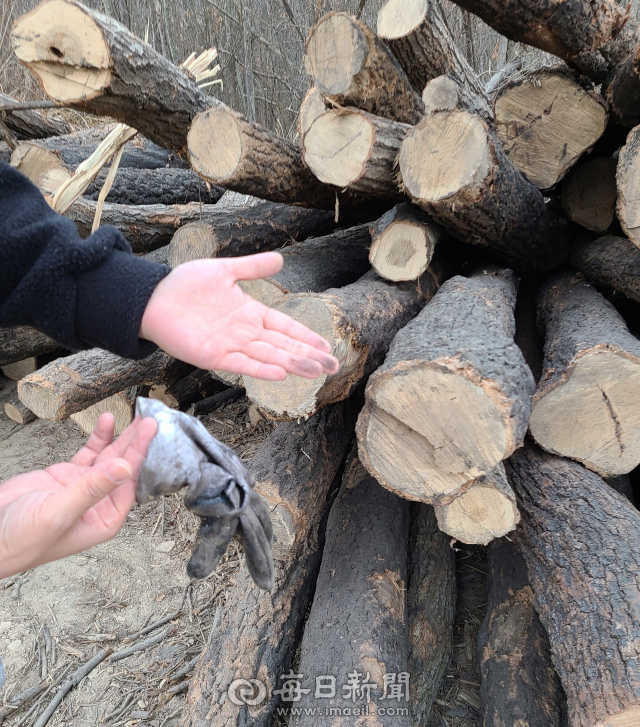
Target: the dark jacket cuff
pixel 110 303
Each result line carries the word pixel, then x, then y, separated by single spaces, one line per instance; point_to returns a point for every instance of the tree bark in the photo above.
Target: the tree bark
pixel 446 93
pixel 246 230
pixel 581 541
pixel 22 342
pixel 359 321
pixel 351 149
pixel 486 510
pixel 518 684
pixel 453 396
pixel 156 186
pixel 611 261
pixel 592 37
pixel 92 63
pixel 587 404
pixel 350 66
pixel 454 168
pixel 589 194
pixel 622 90
pixel 74 383
pixel 628 183
pixel 257 634
pixel 546 121
pixel 145 227
pixel 358 620
pixel 255 161
pixel 315 265
pixel 403 242
pixel 431 601
pixel 31 124
pixel 33 158
pixel 418 36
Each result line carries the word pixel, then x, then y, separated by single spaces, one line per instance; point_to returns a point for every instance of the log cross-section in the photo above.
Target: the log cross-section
pixel 453 396
pixel 89 61
pixel 351 66
pixel 454 167
pixel 587 405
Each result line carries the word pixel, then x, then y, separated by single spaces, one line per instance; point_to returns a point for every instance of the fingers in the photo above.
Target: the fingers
pixel 100 439
pixel 276 321
pixel 252 267
pixel 88 490
pixel 240 363
pixel 301 350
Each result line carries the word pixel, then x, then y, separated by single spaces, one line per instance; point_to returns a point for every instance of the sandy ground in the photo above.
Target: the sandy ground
pixel 57 617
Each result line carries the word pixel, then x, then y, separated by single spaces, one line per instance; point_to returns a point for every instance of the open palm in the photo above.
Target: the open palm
pixel 198 314
pixel 69 507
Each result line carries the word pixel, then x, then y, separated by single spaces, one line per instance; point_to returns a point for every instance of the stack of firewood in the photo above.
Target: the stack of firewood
pixel 428 222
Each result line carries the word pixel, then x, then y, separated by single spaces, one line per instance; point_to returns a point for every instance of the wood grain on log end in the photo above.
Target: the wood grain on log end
pixel 589 194
pixel 18 412
pixel 351 148
pixel 449 403
pixel 587 405
pixel 359 321
pixel 20 369
pixel 453 166
pixel 350 66
pixel 485 511
pixel 403 243
pixel 311 107
pixel 43 42
pixel 121 405
pixel 545 122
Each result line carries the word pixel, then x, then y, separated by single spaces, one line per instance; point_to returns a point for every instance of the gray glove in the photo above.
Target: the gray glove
pixel 220 490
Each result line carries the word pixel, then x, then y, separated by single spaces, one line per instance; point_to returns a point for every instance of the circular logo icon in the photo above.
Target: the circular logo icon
pixel 247 691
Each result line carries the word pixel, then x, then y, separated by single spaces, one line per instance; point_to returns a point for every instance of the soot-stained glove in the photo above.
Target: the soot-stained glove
pixel 220 490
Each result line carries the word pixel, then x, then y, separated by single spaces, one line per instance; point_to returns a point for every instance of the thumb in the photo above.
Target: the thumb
pixel 252 267
pixel 96 484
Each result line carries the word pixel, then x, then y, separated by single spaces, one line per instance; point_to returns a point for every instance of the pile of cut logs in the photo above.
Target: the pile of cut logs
pixel 439 233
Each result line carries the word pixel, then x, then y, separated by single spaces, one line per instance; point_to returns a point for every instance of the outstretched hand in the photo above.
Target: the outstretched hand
pixel 198 314
pixel 71 506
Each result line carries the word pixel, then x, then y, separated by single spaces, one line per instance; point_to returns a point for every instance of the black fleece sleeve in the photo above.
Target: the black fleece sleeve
pixel 82 293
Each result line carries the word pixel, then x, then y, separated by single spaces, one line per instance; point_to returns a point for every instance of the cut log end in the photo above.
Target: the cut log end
pixel 403 252
pixel 604 387
pixel 37 394
pixel 487 510
pixel 295 396
pixel 336 51
pixel 311 107
pixel 546 122
pixel 70 67
pixel 337 147
pixel 459 160
pixel 215 144
pixel 397 18
pixel 120 405
pixel 427 458
pixel 193 241
pixel 18 412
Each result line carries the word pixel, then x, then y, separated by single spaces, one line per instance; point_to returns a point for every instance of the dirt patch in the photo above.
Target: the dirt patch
pixel 58 616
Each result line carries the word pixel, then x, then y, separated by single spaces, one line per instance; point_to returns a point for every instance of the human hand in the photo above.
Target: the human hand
pixel 69 507
pixel 198 314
